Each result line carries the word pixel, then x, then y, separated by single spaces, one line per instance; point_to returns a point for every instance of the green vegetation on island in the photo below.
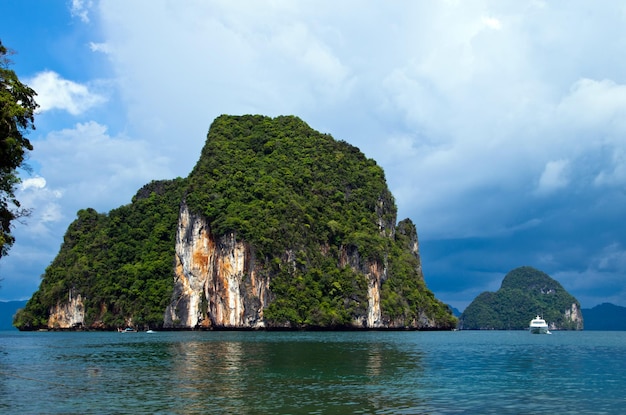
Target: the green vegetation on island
pixel 120 263
pixel 525 292
pixel 281 187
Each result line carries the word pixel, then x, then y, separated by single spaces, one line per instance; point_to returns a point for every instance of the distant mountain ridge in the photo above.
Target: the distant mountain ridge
pixel 524 293
pixel 605 316
pixel 7 311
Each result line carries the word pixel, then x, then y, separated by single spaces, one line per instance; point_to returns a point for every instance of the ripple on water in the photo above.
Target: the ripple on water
pixel 325 373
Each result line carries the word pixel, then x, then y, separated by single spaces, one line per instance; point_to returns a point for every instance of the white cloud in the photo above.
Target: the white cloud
pixel 53 92
pixel 80 9
pixel 33 182
pixel 594 104
pixel 491 22
pixel 473 110
pixel 94 169
pixel 43 202
pixel 78 167
pixel 553 177
pixel 471 89
pixel 315 57
pixel 614 174
pixel 81 167
pixel 100 47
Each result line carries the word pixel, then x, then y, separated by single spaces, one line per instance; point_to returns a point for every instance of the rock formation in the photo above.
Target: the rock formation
pixel 216 283
pixel 219 285
pixel 277 226
pixel 70 314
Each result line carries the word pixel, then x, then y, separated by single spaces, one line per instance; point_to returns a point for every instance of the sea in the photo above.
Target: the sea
pixel 265 372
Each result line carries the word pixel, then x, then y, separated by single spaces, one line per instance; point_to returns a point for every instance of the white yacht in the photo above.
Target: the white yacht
pixel 539 326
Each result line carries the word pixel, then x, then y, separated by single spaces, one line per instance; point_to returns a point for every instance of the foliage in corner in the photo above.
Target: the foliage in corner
pixel 17 110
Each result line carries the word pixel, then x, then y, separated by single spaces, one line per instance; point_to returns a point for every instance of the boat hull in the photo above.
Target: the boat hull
pixel 538 326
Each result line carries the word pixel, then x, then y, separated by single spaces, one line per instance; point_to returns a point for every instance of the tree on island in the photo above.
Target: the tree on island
pixel 17 109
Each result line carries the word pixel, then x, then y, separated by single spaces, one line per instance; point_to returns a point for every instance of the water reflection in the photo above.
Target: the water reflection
pixel 212 373
pixel 291 373
pixel 209 374
pixel 374 360
pixel 297 373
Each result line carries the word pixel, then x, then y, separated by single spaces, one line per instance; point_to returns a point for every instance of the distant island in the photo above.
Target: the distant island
pixel 277 226
pixel 605 316
pixel 7 311
pixel 525 292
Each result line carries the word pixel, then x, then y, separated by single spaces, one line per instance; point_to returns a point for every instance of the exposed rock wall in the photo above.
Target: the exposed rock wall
pixel 216 283
pixel 575 315
pixel 68 315
pixel 375 273
pixel 375 276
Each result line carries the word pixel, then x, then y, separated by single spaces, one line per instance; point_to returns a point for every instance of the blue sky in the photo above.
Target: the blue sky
pixel 501 125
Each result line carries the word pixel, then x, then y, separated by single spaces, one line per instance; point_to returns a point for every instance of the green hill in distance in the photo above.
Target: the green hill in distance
pixel 525 292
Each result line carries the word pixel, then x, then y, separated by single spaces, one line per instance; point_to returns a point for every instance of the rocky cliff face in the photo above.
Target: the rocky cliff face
pixel 375 273
pixel 219 285
pixel 68 315
pixel 574 316
pixel 216 281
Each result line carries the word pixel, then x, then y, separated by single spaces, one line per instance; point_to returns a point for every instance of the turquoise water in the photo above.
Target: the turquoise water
pixel 465 372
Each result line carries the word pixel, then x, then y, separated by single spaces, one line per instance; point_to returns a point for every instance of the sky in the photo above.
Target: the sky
pixel 500 125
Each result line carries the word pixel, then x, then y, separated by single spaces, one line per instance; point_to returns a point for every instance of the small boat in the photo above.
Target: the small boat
pixel 538 326
pixel 150 331
pixel 127 330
